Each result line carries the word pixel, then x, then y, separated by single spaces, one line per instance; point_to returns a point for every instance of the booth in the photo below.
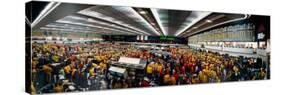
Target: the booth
pixel 117 71
pixel 126 62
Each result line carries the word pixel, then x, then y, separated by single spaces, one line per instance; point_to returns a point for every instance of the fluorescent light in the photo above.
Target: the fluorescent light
pixel 209 21
pixel 90 19
pixel 142 12
pixel 75 17
pixel 156 16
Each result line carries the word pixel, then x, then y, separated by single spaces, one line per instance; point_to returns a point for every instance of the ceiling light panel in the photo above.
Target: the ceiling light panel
pixel 90 12
pixel 51 6
pixel 221 23
pixel 94 23
pixel 90 25
pixel 160 23
pixel 196 16
pixel 134 15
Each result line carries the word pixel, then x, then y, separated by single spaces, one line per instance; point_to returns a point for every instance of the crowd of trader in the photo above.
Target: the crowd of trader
pixel 63 68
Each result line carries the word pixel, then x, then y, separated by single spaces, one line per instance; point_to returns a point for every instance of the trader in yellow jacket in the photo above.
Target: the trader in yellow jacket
pixel 67 71
pixel 48 70
pixel 103 67
pixel 167 79
pixel 92 72
pixel 149 69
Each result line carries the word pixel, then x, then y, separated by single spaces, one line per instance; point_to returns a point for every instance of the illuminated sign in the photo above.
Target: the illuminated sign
pixel 119 37
pixel 167 38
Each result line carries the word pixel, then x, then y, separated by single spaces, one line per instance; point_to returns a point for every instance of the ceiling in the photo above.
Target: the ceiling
pixel 117 20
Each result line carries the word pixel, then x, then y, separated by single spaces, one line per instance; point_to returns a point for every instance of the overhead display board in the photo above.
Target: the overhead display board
pixel 239 32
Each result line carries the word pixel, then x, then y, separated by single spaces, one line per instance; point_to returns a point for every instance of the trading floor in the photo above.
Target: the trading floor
pixel 81 67
pixel 82 47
